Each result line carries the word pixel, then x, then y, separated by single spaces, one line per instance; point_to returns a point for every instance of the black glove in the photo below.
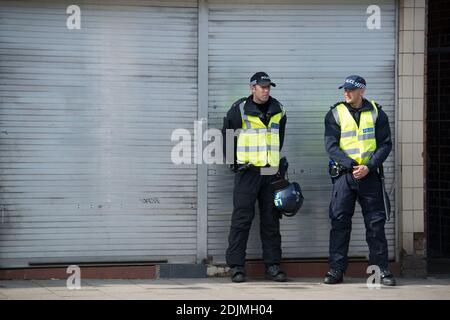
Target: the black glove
pixel 283 167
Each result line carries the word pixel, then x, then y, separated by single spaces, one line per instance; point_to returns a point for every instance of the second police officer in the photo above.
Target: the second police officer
pixel 358 140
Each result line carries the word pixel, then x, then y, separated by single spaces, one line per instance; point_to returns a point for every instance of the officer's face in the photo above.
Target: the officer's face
pixel 353 96
pixel 260 94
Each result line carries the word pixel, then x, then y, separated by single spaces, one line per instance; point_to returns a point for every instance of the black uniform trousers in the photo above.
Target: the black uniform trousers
pixel 368 192
pixel 250 186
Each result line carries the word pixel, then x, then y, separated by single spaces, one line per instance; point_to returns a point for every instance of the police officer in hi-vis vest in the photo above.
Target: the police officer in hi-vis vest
pixel 358 141
pixel 261 122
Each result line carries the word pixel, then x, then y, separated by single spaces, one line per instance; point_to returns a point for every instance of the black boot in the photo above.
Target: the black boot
pixel 238 274
pixel 387 278
pixel 275 273
pixel 333 277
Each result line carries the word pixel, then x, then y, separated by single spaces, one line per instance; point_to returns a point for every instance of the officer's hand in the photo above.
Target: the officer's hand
pixel 360 172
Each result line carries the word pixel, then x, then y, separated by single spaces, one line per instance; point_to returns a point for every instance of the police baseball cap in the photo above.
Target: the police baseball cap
pixel 262 79
pixel 354 82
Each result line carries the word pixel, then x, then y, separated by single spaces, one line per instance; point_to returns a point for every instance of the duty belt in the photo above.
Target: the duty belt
pixel 249 166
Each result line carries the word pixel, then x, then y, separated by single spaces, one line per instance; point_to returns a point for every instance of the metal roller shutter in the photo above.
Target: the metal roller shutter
pixel 86 118
pixel 308 48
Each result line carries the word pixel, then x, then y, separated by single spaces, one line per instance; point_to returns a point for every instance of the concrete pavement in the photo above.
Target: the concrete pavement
pixel 220 288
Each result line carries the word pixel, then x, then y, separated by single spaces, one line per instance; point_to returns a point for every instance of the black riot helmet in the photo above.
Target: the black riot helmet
pixel 288 198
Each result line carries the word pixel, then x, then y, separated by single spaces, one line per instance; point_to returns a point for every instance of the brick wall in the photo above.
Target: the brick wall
pixel 411 102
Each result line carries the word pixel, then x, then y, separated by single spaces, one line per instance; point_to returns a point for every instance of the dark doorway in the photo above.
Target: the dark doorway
pixel 438 137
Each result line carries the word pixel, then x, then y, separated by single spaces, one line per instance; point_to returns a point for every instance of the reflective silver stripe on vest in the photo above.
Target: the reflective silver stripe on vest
pixel 374 113
pixel 274 148
pixel 283 112
pixel 274 131
pixel 366 136
pixel 243 115
pixel 367 154
pixel 347 134
pixel 254 131
pixel 336 115
pixel 252 149
pixel 352 151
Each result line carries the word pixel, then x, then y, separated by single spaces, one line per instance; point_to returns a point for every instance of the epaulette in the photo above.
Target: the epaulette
pixel 238 102
pixel 378 106
pixel 336 104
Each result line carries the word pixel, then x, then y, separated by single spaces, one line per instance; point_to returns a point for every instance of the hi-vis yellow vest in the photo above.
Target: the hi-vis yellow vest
pixel 358 143
pixel 257 143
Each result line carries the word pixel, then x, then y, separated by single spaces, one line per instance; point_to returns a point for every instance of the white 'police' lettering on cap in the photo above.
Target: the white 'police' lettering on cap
pixel 356 84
